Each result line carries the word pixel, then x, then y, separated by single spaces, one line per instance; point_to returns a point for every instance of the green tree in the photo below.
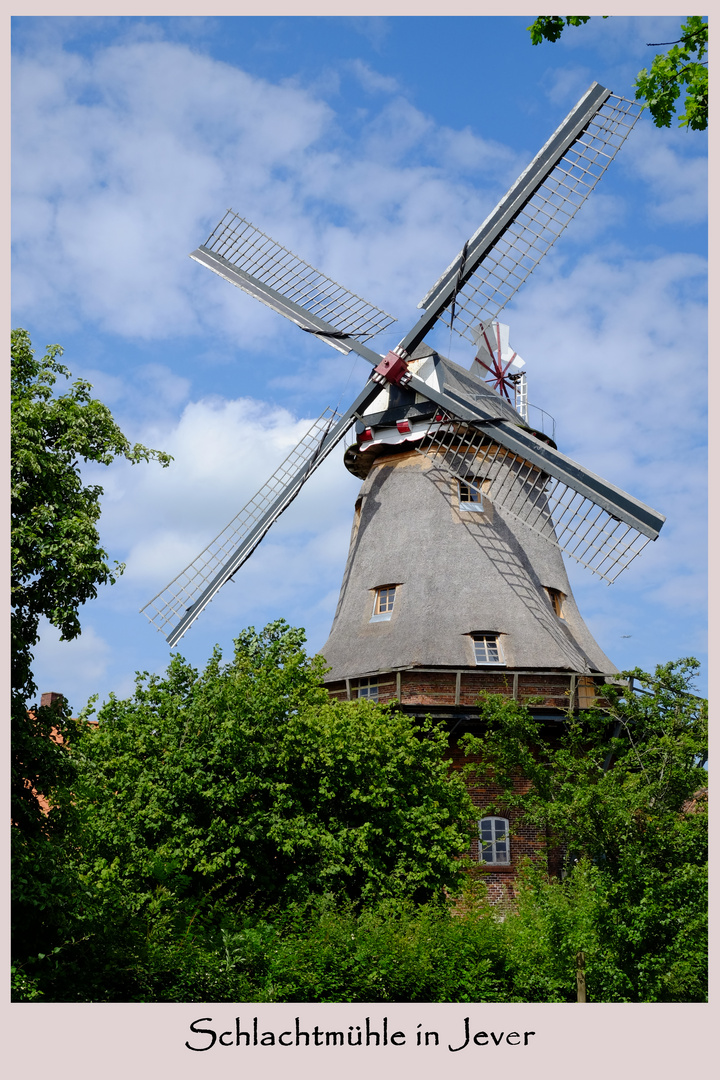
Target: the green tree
pixel 325 950
pixel 207 798
pixel 620 789
pixel 57 560
pixel 681 66
pixel 57 564
pixel 248 783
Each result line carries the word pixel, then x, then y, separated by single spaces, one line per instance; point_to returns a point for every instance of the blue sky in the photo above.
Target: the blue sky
pixel 373 147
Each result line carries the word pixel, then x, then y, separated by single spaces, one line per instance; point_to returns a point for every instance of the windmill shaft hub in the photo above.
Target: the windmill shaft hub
pixel 393 369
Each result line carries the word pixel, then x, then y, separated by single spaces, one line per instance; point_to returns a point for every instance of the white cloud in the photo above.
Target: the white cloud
pixel 372 80
pixel 566 84
pixel 154 390
pixel 146 141
pixel 677 177
pixel 616 351
pixel 617 35
pixel 150 142
pixel 373 27
pixel 88 654
pixel 224 451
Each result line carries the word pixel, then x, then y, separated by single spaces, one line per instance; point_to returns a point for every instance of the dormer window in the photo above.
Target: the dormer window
pixel 384 603
pixel 488 649
pixel 556 599
pixel 470 494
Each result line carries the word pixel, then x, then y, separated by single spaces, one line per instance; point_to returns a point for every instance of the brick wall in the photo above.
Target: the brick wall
pixel 526 841
pixel 438 689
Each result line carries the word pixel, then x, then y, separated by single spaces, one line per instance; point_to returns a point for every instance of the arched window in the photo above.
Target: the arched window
pixel 494 835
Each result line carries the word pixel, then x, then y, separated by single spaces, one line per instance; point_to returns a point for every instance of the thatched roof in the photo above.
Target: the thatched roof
pixel 458 573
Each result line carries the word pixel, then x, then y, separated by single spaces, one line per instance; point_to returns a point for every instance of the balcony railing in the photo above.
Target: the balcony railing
pixel 461 687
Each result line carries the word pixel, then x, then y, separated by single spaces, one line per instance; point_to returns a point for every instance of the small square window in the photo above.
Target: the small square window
pixel 368 688
pixel 384 600
pixel 494 835
pixel 384 603
pixel 470 494
pixel 487 649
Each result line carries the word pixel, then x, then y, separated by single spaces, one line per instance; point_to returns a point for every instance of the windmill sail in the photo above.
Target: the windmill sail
pixel 600 526
pixel 592 520
pixel 525 224
pixel 247 257
pixel 174 609
pixel 192 589
pixel 471 438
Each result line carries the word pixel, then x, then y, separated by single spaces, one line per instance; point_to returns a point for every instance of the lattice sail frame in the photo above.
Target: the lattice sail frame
pixel 171 605
pixel 545 215
pixel 507 247
pixel 580 527
pixel 251 251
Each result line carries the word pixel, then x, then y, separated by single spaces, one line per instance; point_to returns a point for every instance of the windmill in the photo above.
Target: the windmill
pixel 437 444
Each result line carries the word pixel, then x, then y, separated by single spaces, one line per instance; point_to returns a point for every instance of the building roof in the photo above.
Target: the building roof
pixel 457 573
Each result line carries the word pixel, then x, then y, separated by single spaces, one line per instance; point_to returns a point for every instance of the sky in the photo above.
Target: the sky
pixel 373 147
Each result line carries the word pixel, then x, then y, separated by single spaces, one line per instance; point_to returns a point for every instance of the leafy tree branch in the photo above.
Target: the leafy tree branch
pixel 682 66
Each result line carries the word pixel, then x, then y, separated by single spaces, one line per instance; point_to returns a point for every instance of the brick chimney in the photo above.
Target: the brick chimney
pixel 49 698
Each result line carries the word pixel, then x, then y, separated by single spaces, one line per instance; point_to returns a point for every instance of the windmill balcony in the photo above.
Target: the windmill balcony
pixel 445 692
pixel 539 421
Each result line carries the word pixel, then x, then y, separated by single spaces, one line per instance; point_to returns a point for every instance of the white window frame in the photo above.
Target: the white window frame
pixel 383 606
pixel 492 840
pixel 368 688
pixel 484 639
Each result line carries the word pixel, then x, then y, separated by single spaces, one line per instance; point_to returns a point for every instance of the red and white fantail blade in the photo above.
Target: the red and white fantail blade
pixel 495 357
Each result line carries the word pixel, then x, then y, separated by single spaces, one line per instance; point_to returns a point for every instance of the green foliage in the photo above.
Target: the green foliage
pixel 391 951
pixel 238 835
pixel 554 920
pixel 322 949
pixel 209 799
pixel 643 935
pixel 660 88
pixel 550 27
pixel 57 564
pixel 57 561
pixel 682 65
pixel 620 790
pixel 247 783
pixel 22 988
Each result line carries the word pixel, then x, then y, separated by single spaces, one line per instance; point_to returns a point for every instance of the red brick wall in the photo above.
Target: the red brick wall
pixel 438 688
pixel 526 841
